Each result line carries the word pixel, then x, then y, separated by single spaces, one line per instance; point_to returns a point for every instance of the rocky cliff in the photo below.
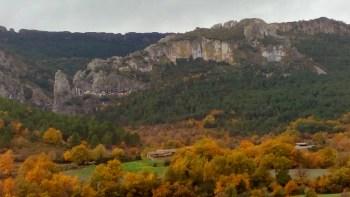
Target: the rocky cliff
pixel 249 42
pixel 13 84
pixel 316 26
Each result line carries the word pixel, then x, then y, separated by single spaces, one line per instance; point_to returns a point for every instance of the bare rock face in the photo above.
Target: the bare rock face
pixel 274 54
pixel 97 82
pixel 62 91
pixel 13 84
pixel 206 49
pixel 255 29
pixel 312 27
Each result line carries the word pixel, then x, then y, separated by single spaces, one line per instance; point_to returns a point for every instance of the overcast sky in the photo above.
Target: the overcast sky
pixel 122 16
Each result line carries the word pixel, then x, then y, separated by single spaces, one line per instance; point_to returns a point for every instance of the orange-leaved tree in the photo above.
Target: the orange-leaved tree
pixel 7 163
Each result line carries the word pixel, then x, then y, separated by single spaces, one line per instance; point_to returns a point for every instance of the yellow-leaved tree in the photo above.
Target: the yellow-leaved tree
pixel 107 178
pixel 52 136
pixel 78 154
pixel 39 176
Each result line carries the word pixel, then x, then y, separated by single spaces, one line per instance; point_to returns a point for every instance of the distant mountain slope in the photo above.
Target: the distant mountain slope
pixel 42 53
pixel 67 45
pixel 261 75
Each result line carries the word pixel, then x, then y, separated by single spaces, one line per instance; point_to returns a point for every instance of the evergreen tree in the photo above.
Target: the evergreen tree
pixel 94 140
pixel 74 139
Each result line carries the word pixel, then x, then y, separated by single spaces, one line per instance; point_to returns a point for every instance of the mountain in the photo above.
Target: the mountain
pixel 30 58
pixel 247 42
pixel 259 75
pixel 269 75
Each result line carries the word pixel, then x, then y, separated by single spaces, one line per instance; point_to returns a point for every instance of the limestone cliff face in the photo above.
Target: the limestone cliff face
pixel 102 83
pixel 14 86
pixel 10 85
pixel 252 41
pixel 62 92
pixel 113 76
pixel 206 49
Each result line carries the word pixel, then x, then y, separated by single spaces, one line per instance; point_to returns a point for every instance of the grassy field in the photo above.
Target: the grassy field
pixel 145 166
pixel 157 167
pixel 83 173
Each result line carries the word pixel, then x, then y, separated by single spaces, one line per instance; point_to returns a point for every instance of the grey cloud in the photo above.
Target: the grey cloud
pixel 157 15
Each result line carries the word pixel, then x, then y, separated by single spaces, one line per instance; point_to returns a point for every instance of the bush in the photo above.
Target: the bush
pixel 283 176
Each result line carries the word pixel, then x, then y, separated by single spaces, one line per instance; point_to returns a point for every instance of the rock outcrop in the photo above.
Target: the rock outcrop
pixel 13 84
pixel 252 41
pixel 62 93
pixel 316 26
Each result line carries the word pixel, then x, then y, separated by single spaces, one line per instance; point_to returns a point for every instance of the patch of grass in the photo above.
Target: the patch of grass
pixel 157 167
pixel 83 173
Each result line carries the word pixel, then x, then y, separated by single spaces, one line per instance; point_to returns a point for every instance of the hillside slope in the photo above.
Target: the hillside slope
pixel 257 96
pixel 34 57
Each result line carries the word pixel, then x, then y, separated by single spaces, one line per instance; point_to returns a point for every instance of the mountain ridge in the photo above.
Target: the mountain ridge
pixel 246 68
pixel 252 41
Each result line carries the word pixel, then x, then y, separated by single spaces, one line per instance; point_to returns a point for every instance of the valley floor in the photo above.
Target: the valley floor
pixel 158 167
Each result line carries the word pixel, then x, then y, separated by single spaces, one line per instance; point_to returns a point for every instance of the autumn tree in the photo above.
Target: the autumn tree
pixel 61 185
pixel 233 185
pixel 7 163
pixel 39 176
pixel 232 162
pixel 53 136
pixel 17 127
pixel 310 192
pixel 7 187
pixel 209 121
pixel 261 177
pixel 278 190
pixel 174 190
pixel 99 153
pixel 79 154
pixel 106 179
pixel 118 153
pixel 32 172
pixel 189 163
pixel 291 187
pixel 139 184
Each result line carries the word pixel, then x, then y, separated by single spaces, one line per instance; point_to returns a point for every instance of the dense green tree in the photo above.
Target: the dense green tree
pixel 74 139
pixel 94 140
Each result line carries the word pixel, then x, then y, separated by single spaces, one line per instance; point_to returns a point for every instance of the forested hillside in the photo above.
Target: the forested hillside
pixel 246 95
pixel 31 123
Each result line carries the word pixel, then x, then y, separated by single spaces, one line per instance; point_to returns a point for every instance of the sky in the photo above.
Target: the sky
pixel 121 16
